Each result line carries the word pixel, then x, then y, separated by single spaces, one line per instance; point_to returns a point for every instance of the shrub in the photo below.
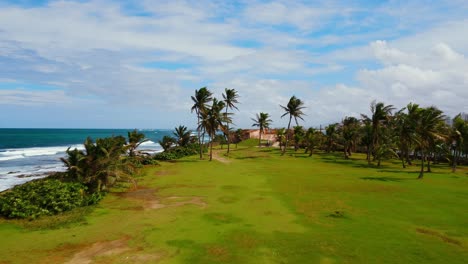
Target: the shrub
pixel 44 197
pixel 177 152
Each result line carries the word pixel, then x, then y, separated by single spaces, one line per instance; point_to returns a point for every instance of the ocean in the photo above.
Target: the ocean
pixel 27 154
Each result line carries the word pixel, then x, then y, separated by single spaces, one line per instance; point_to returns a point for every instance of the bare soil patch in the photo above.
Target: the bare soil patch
pixel 103 248
pixel 149 200
pixel 219 157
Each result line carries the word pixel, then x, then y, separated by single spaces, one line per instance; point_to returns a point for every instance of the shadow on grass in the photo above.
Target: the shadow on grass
pixel 387 179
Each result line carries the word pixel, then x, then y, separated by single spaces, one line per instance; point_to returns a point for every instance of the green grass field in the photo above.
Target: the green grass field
pixel 259 207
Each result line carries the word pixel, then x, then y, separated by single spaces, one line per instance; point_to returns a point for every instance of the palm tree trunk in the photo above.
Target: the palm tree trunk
pixel 211 149
pixel 403 161
pixel 421 173
pixel 199 139
pixel 287 136
pixel 454 162
pixel 228 137
pixel 428 164
pixel 260 138
pixel 345 152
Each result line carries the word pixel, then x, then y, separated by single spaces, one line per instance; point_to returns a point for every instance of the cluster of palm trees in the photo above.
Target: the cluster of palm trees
pixel 104 162
pixel 294 109
pixel 213 115
pixel 182 138
pixel 413 132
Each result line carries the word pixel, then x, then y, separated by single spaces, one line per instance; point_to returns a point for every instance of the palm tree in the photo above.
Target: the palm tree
pixel 405 125
pixel 167 142
pixel 330 133
pixel 100 164
pixel 135 139
pixel 201 99
pixel 182 135
pixel 293 109
pixel 312 139
pixel 458 134
pixel 262 121
pixel 212 120
pixel 350 126
pixel 230 99
pixel 428 130
pixel 281 136
pixel 299 134
pixel 381 114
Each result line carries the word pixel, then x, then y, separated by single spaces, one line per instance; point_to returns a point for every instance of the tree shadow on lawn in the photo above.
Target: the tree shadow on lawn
pixel 387 179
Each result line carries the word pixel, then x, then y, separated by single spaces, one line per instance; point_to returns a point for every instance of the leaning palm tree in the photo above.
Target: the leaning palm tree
pixel 428 125
pixel 293 109
pixel 381 113
pixel 212 120
pixel 135 139
pixel 262 121
pixel 201 99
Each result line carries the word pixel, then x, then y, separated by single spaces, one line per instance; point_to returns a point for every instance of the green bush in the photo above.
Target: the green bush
pixel 177 152
pixel 44 197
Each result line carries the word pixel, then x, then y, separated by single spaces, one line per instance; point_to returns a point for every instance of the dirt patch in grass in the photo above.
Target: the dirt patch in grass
pixel 149 200
pixel 220 157
pixel 439 235
pixel 106 250
pixel 99 249
pixel 162 173
pixel 218 253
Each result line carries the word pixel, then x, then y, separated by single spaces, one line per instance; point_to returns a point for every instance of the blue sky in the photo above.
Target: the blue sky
pixel 135 64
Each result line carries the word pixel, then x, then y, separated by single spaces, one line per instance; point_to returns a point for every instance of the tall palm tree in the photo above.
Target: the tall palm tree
pixel 212 120
pixel 293 109
pixel 262 121
pixel 182 135
pixel 230 99
pixel 428 125
pixel 200 102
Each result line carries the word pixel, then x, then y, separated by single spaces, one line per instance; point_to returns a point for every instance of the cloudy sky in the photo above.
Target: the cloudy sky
pixel 135 64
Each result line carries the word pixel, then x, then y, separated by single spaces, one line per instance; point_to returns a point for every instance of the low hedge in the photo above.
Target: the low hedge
pixel 44 197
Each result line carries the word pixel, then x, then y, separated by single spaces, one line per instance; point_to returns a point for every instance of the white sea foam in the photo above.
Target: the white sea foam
pixel 21 165
pixel 147 143
pixel 20 153
pixel 11 157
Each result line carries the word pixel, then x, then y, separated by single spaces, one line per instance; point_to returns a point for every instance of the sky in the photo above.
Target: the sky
pixel 135 64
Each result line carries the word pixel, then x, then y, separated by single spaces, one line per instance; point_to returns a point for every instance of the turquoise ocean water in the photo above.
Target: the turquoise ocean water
pixel 27 154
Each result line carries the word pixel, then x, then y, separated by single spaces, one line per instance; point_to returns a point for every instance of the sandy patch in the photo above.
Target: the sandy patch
pixel 105 248
pixel 220 157
pixel 149 200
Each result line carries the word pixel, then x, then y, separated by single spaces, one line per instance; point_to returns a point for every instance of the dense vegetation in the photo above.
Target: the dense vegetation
pixel 90 173
pixel 45 197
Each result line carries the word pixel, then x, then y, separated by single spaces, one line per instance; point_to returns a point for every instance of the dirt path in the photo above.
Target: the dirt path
pixel 217 155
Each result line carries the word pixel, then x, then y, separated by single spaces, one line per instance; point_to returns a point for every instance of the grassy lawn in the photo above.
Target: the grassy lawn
pixel 259 207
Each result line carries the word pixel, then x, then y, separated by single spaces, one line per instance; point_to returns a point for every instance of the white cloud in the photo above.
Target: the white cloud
pixel 266 51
